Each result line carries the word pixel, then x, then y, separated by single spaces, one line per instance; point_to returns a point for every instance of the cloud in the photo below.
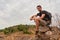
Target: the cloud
pixel 14 12
pixel 3 23
pixel 4 15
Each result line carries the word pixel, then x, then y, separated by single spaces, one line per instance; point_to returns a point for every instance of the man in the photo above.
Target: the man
pixel 41 18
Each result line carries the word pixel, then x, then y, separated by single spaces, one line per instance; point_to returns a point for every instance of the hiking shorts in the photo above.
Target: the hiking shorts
pixel 42 22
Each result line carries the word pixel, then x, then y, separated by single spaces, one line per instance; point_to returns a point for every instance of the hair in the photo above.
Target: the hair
pixel 39 6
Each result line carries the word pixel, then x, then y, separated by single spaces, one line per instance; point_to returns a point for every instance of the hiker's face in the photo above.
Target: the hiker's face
pixel 39 9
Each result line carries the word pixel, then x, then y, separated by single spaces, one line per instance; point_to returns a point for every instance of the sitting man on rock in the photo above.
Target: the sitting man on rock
pixel 42 18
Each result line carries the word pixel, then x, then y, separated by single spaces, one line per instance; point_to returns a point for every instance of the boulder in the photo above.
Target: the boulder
pixel 48 33
pixel 43 29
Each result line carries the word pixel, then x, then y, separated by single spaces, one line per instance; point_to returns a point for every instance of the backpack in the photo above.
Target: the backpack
pixel 49 14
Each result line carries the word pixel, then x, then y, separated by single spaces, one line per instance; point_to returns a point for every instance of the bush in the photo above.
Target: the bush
pixel 22 27
pixel 16 28
pixel 6 31
pixel 26 31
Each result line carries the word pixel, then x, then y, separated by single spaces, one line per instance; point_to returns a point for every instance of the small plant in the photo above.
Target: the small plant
pixel 6 31
pixel 26 31
pixel 24 28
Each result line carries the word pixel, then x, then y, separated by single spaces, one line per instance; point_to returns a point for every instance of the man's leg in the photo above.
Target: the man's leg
pixel 37 25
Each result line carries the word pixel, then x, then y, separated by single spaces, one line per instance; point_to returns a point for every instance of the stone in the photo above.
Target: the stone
pixel 48 33
pixel 52 39
pixel 56 37
pixel 59 39
pixel 43 29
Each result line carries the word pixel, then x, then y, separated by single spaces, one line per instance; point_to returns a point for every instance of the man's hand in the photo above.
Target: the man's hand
pixel 32 17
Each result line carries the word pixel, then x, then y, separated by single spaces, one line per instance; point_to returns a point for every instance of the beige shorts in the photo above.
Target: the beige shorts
pixel 42 22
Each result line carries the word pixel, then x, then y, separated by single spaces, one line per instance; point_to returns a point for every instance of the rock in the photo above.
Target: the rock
pixel 45 37
pixel 52 39
pixel 1 38
pixel 59 39
pixel 43 29
pixel 48 33
pixel 56 37
pixel 55 30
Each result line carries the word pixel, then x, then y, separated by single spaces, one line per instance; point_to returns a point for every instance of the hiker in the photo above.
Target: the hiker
pixel 43 18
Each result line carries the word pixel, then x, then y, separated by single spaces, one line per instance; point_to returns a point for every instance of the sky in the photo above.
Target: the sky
pixel 14 12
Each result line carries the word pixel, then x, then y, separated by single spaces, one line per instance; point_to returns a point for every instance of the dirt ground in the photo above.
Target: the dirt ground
pixel 44 34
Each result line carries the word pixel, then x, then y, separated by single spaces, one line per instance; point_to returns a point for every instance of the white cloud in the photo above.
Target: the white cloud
pixel 4 15
pixel 3 23
pixel 18 11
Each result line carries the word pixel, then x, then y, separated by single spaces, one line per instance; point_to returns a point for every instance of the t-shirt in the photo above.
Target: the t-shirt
pixel 46 18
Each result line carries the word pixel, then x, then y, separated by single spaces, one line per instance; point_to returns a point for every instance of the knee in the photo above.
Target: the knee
pixel 36 19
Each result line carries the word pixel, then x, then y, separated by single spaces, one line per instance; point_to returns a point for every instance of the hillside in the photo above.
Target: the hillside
pixel 27 32
pixel 17 31
pixel 18 28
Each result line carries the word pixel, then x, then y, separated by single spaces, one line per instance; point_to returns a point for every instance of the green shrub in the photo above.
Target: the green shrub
pixel 22 27
pixel 25 31
pixel 6 31
pixel 16 28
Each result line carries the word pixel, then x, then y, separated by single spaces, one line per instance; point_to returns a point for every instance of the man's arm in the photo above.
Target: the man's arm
pixel 43 15
pixel 31 18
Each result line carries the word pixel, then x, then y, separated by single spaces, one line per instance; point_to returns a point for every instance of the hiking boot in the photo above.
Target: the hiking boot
pixel 36 33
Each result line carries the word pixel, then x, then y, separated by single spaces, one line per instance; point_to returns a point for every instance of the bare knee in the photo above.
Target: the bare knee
pixel 36 19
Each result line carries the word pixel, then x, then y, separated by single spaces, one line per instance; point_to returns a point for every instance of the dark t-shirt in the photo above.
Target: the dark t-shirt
pixel 46 18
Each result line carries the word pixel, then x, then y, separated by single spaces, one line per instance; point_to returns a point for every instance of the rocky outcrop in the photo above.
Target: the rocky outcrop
pixel 49 33
pixel 45 33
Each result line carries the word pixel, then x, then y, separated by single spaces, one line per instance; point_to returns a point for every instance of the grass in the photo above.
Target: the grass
pixel 24 28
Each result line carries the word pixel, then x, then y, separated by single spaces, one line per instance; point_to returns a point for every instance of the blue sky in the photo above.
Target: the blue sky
pixel 14 12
